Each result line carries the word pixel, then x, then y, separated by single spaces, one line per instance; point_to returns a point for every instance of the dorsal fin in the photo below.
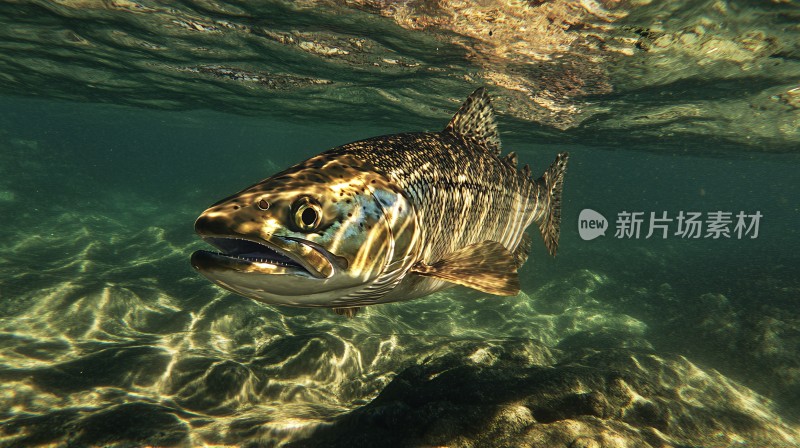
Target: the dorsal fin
pixel 526 170
pixel 475 119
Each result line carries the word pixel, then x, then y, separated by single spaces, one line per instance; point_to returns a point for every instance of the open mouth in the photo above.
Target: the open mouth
pixel 275 256
pixel 251 251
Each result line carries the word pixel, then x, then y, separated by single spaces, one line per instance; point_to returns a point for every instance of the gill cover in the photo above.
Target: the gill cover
pixel 350 228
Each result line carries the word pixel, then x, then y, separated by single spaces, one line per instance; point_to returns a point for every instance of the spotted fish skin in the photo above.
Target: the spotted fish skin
pixel 400 217
pixel 462 194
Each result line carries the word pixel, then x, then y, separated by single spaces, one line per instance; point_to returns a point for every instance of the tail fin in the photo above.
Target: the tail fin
pixel 552 181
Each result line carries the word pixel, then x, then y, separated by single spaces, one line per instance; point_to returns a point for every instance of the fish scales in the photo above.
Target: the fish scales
pixel 463 193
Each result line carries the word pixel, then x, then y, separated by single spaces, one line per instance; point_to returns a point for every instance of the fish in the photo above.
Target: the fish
pixel 386 219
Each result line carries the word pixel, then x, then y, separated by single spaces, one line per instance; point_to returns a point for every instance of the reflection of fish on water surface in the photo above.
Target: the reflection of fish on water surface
pixel 385 219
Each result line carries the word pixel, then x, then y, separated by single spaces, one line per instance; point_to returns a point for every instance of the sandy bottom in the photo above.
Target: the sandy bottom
pixel 108 338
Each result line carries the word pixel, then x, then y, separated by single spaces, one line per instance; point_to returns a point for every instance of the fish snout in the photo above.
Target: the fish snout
pixel 212 224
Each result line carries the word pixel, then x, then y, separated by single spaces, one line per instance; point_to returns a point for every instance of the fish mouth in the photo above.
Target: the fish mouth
pixel 252 255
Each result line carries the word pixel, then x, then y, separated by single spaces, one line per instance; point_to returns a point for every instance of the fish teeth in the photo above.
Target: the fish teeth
pixel 274 249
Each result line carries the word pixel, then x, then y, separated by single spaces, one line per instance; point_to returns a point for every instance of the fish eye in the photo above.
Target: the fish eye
pixel 307 215
pixel 263 205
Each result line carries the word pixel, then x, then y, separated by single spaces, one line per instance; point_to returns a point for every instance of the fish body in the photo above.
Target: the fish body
pixel 385 219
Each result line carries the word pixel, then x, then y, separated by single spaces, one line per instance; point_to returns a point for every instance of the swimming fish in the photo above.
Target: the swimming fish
pixel 386 219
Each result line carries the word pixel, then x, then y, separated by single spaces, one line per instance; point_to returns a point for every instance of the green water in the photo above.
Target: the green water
pixel 109 149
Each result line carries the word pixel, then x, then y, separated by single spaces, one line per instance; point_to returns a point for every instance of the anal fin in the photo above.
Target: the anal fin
pixel 487 266
pixel 349 312
pixel 523 249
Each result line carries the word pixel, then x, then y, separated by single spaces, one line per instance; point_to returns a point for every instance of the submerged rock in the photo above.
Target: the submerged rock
pixel 619 398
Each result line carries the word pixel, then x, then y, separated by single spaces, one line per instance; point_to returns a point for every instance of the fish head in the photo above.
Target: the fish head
pixel 309 236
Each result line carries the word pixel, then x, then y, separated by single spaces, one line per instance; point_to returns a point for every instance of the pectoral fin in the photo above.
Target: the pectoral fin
pixel 488 267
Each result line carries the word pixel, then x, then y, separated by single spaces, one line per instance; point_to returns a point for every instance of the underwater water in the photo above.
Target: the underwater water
pixel 120 122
